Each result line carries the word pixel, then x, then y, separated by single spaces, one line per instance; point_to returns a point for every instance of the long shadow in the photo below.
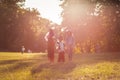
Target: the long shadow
pixel 3 62
pixel 64 67
pixel 17 66
pixel 79 59
pixel 96 58
pixel 59 67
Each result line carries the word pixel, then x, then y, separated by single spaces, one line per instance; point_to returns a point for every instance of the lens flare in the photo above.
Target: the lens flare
pixel 49 9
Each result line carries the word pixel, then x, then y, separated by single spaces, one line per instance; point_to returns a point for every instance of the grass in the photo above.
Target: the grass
pixel 102 66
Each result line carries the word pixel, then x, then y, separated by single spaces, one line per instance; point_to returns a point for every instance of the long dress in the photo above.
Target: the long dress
pixel 50 46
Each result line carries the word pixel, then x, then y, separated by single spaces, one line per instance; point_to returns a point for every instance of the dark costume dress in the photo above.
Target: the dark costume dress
pixel 50 45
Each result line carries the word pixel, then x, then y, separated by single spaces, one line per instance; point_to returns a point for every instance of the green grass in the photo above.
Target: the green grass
pixel 102 66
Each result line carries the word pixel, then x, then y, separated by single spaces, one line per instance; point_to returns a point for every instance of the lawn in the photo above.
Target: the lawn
pixel 35 66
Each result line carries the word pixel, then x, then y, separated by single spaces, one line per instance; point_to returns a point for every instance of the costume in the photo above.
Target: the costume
pixel 50 45
pixel 61 51
pixel 69 44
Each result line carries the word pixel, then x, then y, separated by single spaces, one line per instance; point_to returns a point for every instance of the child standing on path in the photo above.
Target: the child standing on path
pixel 69 44
pixel 61 49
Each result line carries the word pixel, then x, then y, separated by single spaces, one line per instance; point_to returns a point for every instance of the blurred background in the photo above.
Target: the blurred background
pixel 94 23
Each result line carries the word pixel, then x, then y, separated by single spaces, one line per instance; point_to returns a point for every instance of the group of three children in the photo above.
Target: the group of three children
pixel 64 43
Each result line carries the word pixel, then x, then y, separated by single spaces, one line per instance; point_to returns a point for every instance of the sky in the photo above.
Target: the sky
pixel 48 9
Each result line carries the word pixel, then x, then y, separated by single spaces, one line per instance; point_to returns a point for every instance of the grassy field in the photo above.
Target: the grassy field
pixel 15 66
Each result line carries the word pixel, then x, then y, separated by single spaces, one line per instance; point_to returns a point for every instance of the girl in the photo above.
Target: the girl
pixel 61 49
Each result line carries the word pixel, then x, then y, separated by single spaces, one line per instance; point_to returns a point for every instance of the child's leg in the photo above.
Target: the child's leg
pixel 63 57
pixel 59 57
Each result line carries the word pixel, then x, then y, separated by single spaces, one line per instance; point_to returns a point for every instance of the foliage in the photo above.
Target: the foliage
pixel 96 21
pixel 20 27
pixel 95 24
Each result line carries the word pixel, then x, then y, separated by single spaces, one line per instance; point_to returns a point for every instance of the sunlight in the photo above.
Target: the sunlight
pixel 49 9
pixel 97 9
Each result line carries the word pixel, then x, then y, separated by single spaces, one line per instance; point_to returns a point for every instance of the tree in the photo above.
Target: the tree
pixel 20 26
pixel 94 20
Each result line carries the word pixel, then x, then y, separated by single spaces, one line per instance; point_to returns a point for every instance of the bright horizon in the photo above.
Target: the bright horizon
pixel 48 9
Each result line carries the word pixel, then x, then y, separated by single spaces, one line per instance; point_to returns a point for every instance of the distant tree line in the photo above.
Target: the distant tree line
pixel 20 27
pixel 94 23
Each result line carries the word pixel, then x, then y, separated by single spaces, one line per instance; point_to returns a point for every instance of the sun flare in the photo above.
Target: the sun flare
pixel 49 9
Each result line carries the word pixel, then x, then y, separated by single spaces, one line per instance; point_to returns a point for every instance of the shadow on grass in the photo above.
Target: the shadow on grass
pixel 96 58
pixel 4 62
pixel 78 59
pixel 16 66
pixel 59 67
pixel 8 62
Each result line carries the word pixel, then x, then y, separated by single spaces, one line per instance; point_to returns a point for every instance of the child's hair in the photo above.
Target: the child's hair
pixel 60 38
